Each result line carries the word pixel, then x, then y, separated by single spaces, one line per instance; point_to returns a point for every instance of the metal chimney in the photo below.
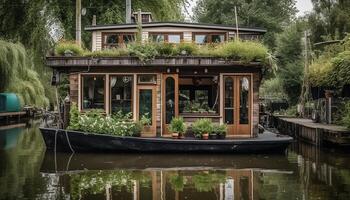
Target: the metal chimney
pixel 128 11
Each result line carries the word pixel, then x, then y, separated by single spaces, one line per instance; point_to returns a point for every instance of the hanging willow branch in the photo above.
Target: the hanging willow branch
pixel 17 75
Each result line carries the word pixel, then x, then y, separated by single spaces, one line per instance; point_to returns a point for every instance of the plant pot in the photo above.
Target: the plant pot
pixel 175 135
pixel 205 136
pixel 213 136
pixel 221 136
pixel 181 136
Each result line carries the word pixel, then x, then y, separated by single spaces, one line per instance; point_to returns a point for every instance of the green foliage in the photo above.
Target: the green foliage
pixel 201 126
pixel 186 48
pixel 17 75
pixel 177 125
pixel 146 120
pixel 74 117
pixel 177 182
pixel 71 47
pixel 346 116
pixel 219 129
pixel 246 51
pixel 94 121
pixel 145 52
pixel 270 14
pixel 206 182
pixel 290 61
pixel 108 53
pixel 164 49
pixel 272 88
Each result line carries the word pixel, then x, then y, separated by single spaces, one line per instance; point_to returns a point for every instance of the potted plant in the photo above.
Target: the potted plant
pixel 220 130
pixel 146 122
pixel 202 127
pixel 177 127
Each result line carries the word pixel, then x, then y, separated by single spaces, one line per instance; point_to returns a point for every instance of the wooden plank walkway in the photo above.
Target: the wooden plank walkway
pixel 10 114
pixel 314 133
pixel 309 123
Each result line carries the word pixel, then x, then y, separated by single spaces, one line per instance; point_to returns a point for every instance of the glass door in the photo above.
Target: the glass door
pixel 170 98
pixel 237 105
pixel 146 108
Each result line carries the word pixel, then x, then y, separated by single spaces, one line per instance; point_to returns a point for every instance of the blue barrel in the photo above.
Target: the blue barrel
pixel 9 102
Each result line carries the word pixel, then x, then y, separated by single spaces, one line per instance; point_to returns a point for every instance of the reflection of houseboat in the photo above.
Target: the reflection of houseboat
pixel 224 90
pixel 162 178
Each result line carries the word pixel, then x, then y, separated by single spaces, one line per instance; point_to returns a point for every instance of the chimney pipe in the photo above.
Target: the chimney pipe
pixel 128 11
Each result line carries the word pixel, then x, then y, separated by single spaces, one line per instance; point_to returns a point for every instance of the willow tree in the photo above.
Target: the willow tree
pixel 18 75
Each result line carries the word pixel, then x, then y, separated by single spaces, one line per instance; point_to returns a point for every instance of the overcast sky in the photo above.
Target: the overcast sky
pixel 302 6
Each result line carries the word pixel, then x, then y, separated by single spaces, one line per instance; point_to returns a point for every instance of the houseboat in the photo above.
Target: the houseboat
pixel 193 87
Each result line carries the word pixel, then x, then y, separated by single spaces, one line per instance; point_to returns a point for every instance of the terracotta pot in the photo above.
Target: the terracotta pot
pixel 175 135
pixel 205 136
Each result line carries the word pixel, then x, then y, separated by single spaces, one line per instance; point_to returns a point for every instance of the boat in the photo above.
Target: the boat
pixel 60 140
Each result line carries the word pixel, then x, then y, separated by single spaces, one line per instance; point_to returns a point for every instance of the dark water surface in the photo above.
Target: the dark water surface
pixel 304 172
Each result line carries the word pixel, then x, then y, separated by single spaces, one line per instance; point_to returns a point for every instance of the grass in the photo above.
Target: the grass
pixel 245 51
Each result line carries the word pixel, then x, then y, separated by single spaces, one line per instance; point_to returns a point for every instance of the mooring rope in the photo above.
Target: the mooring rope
pixel 70 146
pixel 55 150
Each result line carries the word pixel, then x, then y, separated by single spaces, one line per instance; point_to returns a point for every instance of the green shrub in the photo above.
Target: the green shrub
pixel 346 117
pixel 177 125
pixel 108 53
pixel 165 49
pixel 145 52
pixel 74 117
pixel 219 129
pixel 246 51
pixel 185 48
pixel 69 47
pixel 201 126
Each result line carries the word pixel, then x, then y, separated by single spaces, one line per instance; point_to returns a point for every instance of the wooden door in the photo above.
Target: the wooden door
pixel 237 105
pixel 146 106
pixel 170 100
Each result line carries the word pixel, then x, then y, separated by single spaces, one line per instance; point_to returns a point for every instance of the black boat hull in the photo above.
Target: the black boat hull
pixel 66 141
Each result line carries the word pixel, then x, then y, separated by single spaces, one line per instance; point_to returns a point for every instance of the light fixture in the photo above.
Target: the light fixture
pixel 177 70
pixel 206 70
pixel 195 72
pixel 168 70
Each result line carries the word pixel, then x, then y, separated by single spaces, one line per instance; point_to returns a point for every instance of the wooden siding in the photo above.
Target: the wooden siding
pixel 98 41
pixel 256 112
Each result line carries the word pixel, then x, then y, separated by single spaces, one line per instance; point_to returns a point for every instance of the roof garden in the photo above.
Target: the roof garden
pixel 240 51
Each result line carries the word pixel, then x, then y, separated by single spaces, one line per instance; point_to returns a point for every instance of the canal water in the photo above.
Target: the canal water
pixel 303 172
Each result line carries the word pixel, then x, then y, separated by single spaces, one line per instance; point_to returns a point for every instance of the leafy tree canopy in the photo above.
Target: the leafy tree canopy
pixel 270 14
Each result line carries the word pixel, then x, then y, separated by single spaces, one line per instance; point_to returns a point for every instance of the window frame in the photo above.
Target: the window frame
pixel 209 35
pixel 146 83
pixel 82 92
pixel 166 36
pixel 119 35
pixel 132 92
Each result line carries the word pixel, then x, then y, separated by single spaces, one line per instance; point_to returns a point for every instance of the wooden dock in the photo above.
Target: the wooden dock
pixel 5 117
pixel 314 133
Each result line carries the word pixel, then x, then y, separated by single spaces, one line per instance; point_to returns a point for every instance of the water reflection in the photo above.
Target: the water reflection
pixel 305 172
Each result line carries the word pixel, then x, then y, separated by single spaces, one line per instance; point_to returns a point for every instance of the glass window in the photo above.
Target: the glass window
pixel 169 99
pixel 174 38
pixel 229 109
pixel 157 38
pixel 202 97
pixel 217 38
pixel 128 38
pixel 201 39
pixel 147 78
pixel 111 40
pixel 244 101
pixel 121 93
pixel 145 104
pixel 93 92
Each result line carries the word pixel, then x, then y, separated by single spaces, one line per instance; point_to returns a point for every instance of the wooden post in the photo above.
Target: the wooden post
pixel 78 22
pixel 237 32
